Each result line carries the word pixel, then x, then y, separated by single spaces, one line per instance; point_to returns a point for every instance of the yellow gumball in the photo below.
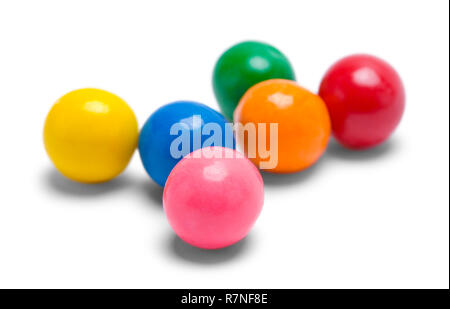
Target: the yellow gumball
pixel 90 135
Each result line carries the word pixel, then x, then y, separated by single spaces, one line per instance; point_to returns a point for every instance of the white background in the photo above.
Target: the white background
pixel 375 219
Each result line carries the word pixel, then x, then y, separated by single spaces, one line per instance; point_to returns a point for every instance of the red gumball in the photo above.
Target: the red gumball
pixel 365 98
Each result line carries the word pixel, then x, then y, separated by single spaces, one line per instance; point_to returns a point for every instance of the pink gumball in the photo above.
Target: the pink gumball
pixel 213 197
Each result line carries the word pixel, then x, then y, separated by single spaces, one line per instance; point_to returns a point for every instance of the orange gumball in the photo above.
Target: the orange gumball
pixel 282 127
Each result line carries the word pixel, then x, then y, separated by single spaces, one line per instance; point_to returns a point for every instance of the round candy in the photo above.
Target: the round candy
pixel 243 66
pixel 302 120
pixel 213 197
pixel 90 135
pixel 175 130
pixel 365 98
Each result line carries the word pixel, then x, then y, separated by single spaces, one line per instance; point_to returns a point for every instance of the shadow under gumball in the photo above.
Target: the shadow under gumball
pixel 152 191
pixel 187 253
pixel 57 183
pixel 282 180
pixel 338 151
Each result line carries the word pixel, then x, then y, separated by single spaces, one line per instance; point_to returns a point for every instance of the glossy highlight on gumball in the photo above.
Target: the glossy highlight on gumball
pixel 175 130
pixel 90 135
pixel 365 98
pixel 244 65
pixel 213 197
pixel 303 125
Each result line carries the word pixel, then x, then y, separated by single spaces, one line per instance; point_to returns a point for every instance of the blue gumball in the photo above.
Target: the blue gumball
pixel 177 129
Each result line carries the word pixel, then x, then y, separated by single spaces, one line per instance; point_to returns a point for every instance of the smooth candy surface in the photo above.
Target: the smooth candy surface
pixel 90 135
pixel 155 138
pixel 303 123
pixel 244 65
pixel 365 98
pixel 213 197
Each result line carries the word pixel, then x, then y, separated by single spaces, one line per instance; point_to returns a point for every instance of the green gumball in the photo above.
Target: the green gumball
pixel 244 65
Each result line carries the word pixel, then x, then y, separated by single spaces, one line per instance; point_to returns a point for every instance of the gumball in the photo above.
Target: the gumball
pixel 289 121
pixel 175 130
pixel 365 98
pixel 213 197
pixel 90 135
pixel 243 66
